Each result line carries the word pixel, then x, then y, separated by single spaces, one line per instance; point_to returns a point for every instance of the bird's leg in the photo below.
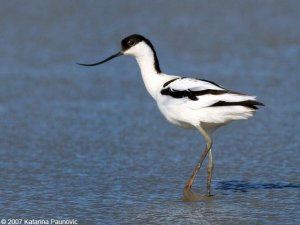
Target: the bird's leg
pixel 197 167
pixel 210 168
pixel 190 182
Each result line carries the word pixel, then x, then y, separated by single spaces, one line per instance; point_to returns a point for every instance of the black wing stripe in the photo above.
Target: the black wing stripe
pixel 169 82
pixel 208 81
pixel 210 92
pixel 178 94
pixel 192 95
pixel 249 103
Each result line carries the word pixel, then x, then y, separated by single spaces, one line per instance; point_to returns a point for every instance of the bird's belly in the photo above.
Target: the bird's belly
pixel 176 116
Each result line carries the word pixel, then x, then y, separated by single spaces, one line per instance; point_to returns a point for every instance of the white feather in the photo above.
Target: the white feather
pixel 193 84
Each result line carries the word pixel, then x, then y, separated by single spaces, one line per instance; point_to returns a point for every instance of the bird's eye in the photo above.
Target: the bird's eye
pixel 130 42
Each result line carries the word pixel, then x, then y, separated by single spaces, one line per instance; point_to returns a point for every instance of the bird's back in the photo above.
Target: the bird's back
pixel 188 101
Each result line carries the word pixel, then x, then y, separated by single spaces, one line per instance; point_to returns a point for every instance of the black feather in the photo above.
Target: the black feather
pixel 248 103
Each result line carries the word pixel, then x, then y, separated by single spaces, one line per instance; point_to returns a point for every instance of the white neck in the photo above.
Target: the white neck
pixel 144 56
pixel 150 76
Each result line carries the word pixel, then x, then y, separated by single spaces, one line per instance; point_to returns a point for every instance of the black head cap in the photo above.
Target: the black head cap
pixel 134 39
pixel 131 41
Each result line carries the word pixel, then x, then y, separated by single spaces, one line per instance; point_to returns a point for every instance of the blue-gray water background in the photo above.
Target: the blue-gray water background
pixel 90 144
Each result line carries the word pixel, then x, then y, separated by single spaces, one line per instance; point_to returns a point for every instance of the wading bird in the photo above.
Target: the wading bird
pixel 187 102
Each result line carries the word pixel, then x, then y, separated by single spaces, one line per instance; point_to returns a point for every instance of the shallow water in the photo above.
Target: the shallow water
pixel 90 144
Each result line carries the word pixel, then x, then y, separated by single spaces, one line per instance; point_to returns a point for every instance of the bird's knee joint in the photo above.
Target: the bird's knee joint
pixel 210 167
pixel 209 144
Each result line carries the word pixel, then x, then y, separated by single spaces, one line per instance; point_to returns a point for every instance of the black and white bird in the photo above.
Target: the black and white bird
pixel 187 102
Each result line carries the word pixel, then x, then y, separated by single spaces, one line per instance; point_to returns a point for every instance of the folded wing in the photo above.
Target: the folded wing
pixel 199 93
